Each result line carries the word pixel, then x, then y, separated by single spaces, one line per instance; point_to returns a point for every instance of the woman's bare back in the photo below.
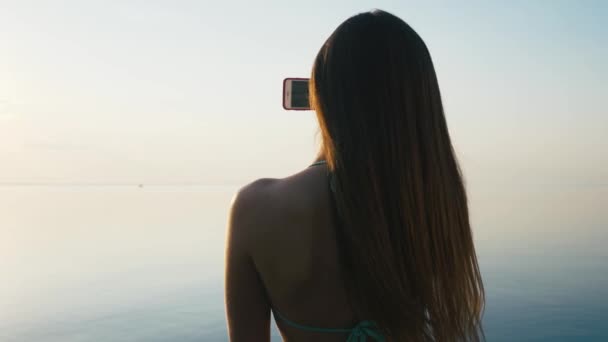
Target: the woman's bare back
pixel 291 242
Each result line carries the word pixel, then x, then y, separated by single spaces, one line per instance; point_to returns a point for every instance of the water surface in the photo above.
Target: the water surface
pixel 129 263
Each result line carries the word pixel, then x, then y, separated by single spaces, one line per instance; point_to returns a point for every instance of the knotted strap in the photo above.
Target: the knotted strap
pixel 363 330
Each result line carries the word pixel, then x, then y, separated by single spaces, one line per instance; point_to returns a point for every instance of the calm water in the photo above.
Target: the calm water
pixel 125 263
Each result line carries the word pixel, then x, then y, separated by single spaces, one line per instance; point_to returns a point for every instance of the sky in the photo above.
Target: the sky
pixel 180 92
pixel 190 91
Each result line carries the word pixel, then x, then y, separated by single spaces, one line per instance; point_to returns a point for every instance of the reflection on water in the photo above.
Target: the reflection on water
pixel 145 264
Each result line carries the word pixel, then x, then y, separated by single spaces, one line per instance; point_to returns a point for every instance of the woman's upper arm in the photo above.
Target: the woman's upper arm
pixel 247 306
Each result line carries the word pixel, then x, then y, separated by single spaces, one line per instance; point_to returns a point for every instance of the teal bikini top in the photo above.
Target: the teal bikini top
pixel 358 333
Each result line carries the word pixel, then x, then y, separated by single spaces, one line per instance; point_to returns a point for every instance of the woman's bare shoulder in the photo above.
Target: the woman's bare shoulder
pixel 251 204
pixel 267 204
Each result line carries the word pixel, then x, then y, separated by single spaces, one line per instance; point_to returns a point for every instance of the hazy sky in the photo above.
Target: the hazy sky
pixel 190 91
pixel 172 91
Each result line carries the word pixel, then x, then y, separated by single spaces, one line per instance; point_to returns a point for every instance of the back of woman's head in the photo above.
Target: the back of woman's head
pixel 402 226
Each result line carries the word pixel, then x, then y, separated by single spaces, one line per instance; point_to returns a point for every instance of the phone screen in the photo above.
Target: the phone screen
pixel 299 94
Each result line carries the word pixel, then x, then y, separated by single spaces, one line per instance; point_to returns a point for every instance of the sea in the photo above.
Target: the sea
pixel 144 262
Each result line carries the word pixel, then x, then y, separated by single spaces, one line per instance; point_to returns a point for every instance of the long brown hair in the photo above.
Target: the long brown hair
pixel 403 227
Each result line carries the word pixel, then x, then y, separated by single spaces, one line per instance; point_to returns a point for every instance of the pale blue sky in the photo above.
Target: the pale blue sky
pixel 190 91
pixel 151 91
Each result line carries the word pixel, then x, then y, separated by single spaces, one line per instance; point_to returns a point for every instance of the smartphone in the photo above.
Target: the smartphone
pixel 295 94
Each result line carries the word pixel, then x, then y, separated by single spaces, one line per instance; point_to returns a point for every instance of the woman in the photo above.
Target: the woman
pixel 372 242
